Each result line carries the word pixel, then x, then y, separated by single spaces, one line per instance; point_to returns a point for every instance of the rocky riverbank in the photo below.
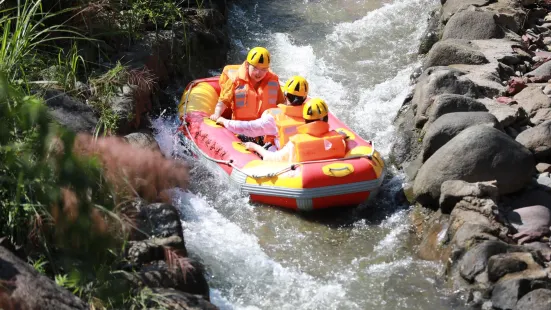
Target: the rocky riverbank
pixel 135 82
pixel 474 139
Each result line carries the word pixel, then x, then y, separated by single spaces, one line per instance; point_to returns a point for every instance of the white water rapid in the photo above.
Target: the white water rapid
pixel 358 56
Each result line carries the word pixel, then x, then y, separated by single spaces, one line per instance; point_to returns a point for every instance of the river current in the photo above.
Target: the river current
pixel 358 56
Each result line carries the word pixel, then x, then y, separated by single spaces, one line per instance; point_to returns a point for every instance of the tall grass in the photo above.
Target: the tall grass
pixel 24 33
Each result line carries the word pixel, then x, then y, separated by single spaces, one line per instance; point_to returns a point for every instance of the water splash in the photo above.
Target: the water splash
pixel 259 257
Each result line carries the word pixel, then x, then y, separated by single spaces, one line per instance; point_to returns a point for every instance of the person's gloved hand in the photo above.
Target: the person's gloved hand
pixel 251 146
pixel 220 120
pixel 214 117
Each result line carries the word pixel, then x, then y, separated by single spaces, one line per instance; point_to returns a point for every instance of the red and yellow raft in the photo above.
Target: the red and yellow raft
pixel 305 186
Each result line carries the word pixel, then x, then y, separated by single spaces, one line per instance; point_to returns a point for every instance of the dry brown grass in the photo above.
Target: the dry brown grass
pixel 134 171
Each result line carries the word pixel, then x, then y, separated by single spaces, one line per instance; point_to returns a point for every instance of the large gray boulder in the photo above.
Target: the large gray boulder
pixel 432 33
pixel 476 259
pixel 184 275
pixel 454 51
pixel 449 125
pixel 538 140
pixel 455 190
pixel 541 116
pixel 172 299
pixel 507 115
pixel 449 103
pixel 70 112
pixel 406 145
pixel 539 299
pixel 478 153
pixel 531 99
pixel 436 81
pixel 506 293
pixel 502 264
pixel 159 220
pixel 472 25
pixel 25 288
pixel 450 7
pixel 543 70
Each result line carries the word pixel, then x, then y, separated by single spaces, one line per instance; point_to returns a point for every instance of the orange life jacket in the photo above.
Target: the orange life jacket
pixel 250 103
pixel 287 119
pixel 314 141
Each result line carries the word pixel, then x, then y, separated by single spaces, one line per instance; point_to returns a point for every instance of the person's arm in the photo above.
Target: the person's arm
pixel 263 126
pixel 218 110
pixel 285 154
pixel 225 99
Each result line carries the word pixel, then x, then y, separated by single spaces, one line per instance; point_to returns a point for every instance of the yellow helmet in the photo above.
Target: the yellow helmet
pixel 259 57
pixel 296 85
pixel 315 109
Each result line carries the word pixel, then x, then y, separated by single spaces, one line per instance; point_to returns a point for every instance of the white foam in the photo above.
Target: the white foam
pixel 362 69
pixel 237 263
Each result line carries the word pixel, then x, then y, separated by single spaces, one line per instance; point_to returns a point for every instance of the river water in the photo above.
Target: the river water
pixel 358 56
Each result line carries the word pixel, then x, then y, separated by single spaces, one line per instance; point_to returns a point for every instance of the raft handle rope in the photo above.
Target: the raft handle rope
pixel 254 176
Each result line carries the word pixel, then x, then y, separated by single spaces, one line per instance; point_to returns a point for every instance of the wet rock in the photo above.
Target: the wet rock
pixel 143 252
pixel 158 220
pixel 492 155
pixel 450 7
pixel 449 103
pixel 183 275
pixel 544 180
pixel 543 167
pixel 472 25
pixel 502 264
pixel 70 112
pixel 432 33
pixel 453 191
pixel 176 300
pixel 412 167
pixel 435 81
pixel 506 293
pixel 532 99
pixel 539 299
pixel 28 289
pixel 537 140
pixel 487 305
pixel 142 140
pixel 450 125
pixel 432 244
pixel 476 211
pixel 453 51
pixel 407 143
pixel 476 259
pixel 542 247
pixel 470 233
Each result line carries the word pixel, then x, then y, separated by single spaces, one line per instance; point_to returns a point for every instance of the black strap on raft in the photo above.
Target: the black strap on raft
pixel 257 140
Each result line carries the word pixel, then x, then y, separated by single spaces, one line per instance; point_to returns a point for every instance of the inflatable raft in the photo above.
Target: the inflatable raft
pixel 304 186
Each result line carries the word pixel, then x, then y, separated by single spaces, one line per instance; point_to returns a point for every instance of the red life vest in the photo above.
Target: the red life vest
pixel 249 103
pixel 314 141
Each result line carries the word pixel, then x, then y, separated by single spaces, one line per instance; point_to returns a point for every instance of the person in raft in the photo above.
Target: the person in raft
pixel 275 125
pixel 248 89
pixel 313 141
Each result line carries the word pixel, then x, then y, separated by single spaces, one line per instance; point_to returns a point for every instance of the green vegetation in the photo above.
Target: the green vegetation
pixel 59 207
